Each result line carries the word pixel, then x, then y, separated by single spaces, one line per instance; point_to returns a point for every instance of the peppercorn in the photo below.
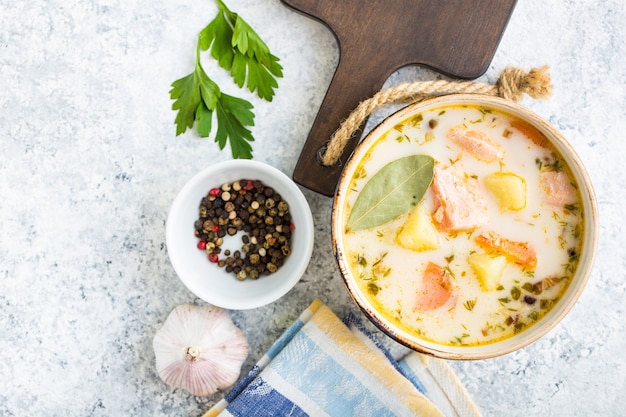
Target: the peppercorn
pixel 259 212
pixel 283 206
pixel 529 299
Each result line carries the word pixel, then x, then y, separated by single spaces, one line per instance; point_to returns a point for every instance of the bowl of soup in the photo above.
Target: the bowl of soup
pixel 465 226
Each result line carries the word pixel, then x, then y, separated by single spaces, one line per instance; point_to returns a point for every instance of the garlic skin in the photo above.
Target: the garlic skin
pixel 199 349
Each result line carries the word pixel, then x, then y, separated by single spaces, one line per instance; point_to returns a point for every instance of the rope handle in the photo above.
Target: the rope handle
pixel 512 84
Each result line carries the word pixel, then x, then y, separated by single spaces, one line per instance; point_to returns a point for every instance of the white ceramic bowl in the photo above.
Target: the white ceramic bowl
pixel 573 291
pixel 212 283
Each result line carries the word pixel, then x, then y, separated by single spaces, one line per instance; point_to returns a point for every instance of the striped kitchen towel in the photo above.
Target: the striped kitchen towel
pixel 321 366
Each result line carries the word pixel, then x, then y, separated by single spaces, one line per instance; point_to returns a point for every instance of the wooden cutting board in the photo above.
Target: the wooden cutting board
pixel 377 37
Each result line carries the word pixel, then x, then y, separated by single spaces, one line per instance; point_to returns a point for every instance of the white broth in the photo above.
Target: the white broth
pixel 496 262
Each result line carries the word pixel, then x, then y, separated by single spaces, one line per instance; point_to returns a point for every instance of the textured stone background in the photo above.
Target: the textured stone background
pixel 89 164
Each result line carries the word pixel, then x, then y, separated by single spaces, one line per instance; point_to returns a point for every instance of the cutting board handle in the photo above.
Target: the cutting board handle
pixel 349 86
pixel 377 37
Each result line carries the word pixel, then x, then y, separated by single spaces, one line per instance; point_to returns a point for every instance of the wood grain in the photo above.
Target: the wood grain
pixel 376 38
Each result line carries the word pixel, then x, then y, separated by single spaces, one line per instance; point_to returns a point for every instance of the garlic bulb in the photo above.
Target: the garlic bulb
pixel 199 349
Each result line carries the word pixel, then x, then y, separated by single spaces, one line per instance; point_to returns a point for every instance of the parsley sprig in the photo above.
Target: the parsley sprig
pixel 238 49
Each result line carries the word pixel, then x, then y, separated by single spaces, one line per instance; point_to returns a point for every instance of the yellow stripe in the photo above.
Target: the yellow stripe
pixel 216 409
pixel 374 362
pixel 315 305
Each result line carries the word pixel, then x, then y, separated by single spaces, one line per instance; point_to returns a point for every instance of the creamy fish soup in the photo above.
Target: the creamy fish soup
pixel 486 242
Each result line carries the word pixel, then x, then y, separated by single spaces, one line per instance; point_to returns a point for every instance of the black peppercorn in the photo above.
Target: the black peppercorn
pixel 259 212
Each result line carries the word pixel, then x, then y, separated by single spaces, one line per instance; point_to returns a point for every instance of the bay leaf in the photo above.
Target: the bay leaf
pixel 394 190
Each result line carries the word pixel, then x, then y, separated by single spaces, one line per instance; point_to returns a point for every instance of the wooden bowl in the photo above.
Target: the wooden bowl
pixel 533 332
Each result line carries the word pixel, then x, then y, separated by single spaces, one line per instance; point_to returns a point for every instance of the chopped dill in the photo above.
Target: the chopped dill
pixel 373 288
pixel 572 208
pixel 469 304
pixel 416 120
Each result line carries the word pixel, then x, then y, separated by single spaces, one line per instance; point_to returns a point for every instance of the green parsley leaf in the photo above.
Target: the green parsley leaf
pixel 259 76
pixel 238 49
pixel 187 99
pixel 232 115
pixel 204 117
pixel 198 97
pixel 190 93
pixel 218 35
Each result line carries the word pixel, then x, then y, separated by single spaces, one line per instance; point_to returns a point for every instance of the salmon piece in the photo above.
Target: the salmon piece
pixel 476 143
pixel 519 252
pixel 558 188
pixel 530 131
pixel 458 201
pixel 436 288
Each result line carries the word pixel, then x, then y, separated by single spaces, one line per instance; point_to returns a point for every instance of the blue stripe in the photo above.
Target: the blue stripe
pixel 278 345
pixel 408 373
pixel 285 338
pixel 335 389
pixel 243 383
pixel 261 400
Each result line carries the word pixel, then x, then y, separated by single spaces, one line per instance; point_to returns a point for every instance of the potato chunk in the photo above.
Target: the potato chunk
pixel 509 190
pixel 488 269
pixel 418 232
